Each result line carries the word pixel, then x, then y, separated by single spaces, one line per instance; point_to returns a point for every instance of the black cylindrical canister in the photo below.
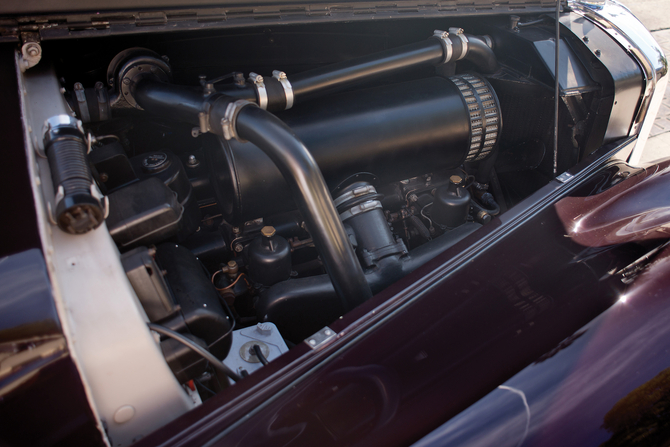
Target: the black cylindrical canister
pixel 269 258
pixel 452 204
pixel 394 132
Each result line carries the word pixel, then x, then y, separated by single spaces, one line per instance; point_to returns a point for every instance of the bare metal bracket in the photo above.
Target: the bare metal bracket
pixel 321 338
pixel 31 51
pixel 564 178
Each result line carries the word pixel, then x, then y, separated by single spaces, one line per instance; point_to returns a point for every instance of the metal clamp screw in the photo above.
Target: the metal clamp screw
pixel 443 36
pixel 261 92
pixel 464 41
pixel 228 122
pixel 288 89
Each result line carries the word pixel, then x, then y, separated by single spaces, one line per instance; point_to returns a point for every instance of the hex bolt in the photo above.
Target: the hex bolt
pixel 192 161
pixel 239 248
pixel 598 53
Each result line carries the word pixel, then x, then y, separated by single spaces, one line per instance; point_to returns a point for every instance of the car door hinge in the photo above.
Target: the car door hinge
pixel 151 18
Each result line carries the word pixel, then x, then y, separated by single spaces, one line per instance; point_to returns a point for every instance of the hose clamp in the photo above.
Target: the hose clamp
pixel 447 46
pixel 464 41
pixel 288 89
pixel 361 208
pixel 352 194
pixel 261 91
pixel 229 120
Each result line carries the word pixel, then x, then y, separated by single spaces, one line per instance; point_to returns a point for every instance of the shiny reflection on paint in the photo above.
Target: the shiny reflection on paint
pixel 573 393
pixel 525 405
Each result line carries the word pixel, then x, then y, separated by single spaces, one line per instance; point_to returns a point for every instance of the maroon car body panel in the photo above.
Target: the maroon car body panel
pixel 605 385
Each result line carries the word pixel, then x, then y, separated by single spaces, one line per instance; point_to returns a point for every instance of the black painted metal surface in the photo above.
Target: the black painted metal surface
pixel 18 225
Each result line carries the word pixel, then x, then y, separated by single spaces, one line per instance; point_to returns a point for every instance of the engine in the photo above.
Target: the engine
pixel 252 210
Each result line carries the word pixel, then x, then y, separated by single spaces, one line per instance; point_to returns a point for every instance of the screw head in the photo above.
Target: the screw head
pixel 239 248
pixel 192 161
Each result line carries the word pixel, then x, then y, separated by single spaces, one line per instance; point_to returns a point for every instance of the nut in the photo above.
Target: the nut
pixel 456 179
pixel 268 231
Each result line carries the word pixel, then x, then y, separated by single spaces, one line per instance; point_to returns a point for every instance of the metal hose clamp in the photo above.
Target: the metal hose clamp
pixel 447 46
pixel 288 89
pixel 261 92
pixel 464 41
pixel 229 120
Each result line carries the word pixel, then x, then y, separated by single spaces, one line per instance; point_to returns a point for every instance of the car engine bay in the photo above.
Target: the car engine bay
pixel 252 210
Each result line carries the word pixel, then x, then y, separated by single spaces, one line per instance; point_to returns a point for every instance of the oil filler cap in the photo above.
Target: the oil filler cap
pixel 155 162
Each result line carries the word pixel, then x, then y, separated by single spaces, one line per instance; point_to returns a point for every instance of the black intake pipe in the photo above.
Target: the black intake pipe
pixel 339 76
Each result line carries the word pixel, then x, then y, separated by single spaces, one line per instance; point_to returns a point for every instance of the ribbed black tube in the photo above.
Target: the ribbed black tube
pixel 77 210
pixel 313 199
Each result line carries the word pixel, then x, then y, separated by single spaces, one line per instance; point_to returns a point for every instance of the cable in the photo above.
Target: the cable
pixel 216 363
pixel 257 350
pixel 223 301
pixel 230 286
pixel 557 86
pixel 204 387
pixel 532 22
pixel 426 217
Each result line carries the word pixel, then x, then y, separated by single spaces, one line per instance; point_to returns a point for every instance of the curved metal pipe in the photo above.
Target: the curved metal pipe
pixel 309 189
pixel 480 54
